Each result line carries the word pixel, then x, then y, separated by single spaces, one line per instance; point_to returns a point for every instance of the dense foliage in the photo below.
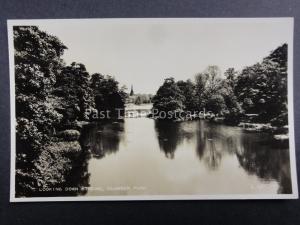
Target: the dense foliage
pixel 260 89
pixel 169 98
pixel 107 94
pixel 50 97
pixel 37 64
pixel 73 85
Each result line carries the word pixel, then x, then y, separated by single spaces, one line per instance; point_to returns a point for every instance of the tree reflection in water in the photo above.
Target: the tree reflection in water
pixel 103 138
pixel 97 140
pixel 213 158
pixel 212 141
pixel 267 160
pixel 170 134
pixel 256 153
pixel 78 179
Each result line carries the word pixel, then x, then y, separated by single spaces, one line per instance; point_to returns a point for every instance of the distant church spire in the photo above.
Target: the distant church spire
pixel 131 91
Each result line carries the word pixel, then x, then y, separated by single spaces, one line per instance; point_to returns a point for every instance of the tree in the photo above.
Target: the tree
pixel 107 95
pixel 37 60
pixel 73 85
pixel 168 98
pixel 230 77
pixel 213 78
pixel 234 111
pixel 262 88
pixel 208 90
pixel 37 64
pixel 216 104
pixel 187 88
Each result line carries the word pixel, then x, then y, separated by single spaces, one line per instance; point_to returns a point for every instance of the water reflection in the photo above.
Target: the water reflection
pixel 212 141
pixel 170 135
pixel 96 140
pixel 256 153
pixel 213 157
pixel 103 138
pixel 267 162
pixel 79 177
pixel 205 158
pixel 206 148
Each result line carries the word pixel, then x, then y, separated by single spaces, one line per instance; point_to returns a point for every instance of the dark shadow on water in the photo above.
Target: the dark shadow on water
pixel 97 140
pixel 78 179
pixel 212 142
pixel 257 153
pixel 102 138
pixel 268 160
pixel 171 134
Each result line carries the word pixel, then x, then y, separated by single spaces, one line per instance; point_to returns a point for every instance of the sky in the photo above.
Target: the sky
pixel 143 52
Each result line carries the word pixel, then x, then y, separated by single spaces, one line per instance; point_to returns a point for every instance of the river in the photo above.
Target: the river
pixel 141 156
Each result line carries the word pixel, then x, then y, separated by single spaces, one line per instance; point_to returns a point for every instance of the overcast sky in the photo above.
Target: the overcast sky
pixel 144 52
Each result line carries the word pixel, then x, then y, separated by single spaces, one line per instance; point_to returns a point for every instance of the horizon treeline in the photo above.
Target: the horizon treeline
pixel 260 89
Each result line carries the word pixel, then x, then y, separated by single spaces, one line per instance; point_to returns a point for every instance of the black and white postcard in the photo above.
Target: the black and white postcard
pixel 152 109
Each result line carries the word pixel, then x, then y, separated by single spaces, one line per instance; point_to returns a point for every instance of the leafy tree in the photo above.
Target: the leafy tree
pixel 234 110
pixel 73 84
pixel 280 56
pixel 37 64
pixel 209 79
pixel 230 78
pixel 262 88
pixel 216 104
pixel 107 95
pixel 187 88
pixel 37 60
pixel 208 90
pixel 169 98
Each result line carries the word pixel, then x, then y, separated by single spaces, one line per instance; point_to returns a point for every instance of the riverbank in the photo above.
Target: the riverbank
pixel 58 161
pixel 64 163
pixel 55 163
pixel 280 134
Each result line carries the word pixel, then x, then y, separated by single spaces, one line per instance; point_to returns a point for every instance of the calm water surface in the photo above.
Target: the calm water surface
pixel 141 156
